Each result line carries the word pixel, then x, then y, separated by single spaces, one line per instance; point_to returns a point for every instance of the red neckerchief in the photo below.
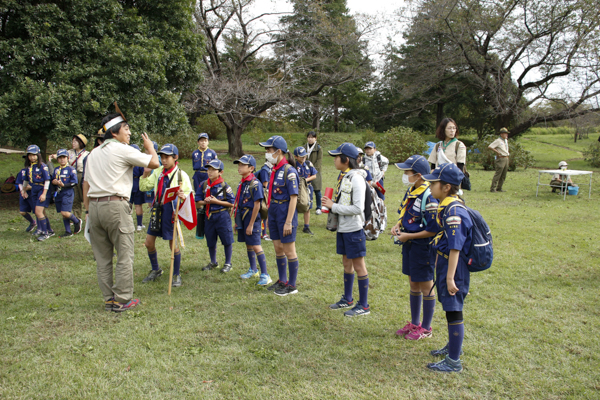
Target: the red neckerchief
pixel 281 164
pixel 249 178
pixel 208 186
pixel 77 159
pixel 161 180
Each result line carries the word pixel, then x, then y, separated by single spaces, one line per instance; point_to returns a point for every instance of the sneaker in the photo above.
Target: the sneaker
pixel 276 285
pixel 318 212
pixel 250 274
pixel 108 304
pixel 266 237
pixel 307 230
pixel 264 280
pixel 120 307
pixel 343 303
pixel 443 351
pixel 77 226
pixel 31 227
pixel 153 275
pixel 418 334
pixel 408 328
pixel 210 266
pixel 285 290
pixel 226 268
pixel 42 237
pixel 446 365
pixel 66 235
pixel 140 228
pixel 37 232
pixel 51 233
pixel 176 281
pixel 358 310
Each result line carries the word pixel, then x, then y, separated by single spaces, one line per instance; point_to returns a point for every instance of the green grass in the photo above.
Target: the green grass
pixel 532 320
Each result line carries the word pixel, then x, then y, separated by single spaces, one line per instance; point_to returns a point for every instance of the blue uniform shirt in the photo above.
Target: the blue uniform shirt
pixel 224 194
pixel 68 176
pixel 284 187
pixel 137 173
pixel 249 195
pixel 457 227
pixel 411 221
pixel 37 174
pixel 264 174
pixel 21 177
pixel 306 169
pixel 201 158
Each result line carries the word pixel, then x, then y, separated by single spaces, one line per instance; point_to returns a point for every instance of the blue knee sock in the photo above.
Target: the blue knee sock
pixel 213 254
pixel 262 262
pixel 139 219
pixel 348 284
pixel 428 308
pixel 153 260
pixel 48 227
pixel 293 266
pixel 74 219
pixel 176 263
pixel 28 218
pixel 456 334
pixel 282 268
pixel 252 259
pixel 43 225
pixel 228 253
pixel 67 223
pixel 415 307
pixel 363 290
pixel 38 223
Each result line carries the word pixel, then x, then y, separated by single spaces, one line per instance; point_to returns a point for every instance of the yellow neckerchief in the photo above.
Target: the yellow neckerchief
pixel 59 171
pixel 202 155
pixel 31 174
pixel 339 183
pixel 443 204
pixel 411 193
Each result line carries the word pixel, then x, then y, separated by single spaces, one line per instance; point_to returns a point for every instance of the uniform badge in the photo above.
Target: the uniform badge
pixel 229 189
pixel 280 175
pixel 291 176
pixel 431 207
pixel 454 220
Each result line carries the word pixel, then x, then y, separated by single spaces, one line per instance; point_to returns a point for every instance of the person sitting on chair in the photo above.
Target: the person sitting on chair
pixel 558 182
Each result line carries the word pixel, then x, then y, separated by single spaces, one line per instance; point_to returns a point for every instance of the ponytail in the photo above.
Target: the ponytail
pixel 291 159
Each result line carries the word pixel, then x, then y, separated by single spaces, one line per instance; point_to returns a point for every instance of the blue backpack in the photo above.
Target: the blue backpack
pixel 481 252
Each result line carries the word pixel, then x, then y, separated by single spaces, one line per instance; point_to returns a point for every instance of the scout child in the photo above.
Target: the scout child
pixel 165 177
pixel 314 152
pixel 264 176
pixel 200 158
pixel 307 171
pixel 246 212
pixel 416 225
pixel 25 204
pixel 217 196
pixel 283 218
pixel 350 239
pixel 38 177
pixel 377 165
pixel 452 273
pixel 138 197
pixel 64 178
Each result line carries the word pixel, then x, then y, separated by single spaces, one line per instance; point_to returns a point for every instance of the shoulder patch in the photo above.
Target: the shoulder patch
pixel 431 207
pixel 291 176
pixel 45 168
pixel 453 220
pixel 229 189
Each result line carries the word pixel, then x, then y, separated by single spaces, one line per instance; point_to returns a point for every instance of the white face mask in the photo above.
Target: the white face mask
pixel 406 181
pixel 270 158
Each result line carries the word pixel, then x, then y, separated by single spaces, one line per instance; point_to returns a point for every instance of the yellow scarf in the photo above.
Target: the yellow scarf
pixel 411 193
pixel 443 204
pixel 339 182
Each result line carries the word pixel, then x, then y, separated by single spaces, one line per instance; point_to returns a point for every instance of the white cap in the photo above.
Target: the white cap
pixel 562 164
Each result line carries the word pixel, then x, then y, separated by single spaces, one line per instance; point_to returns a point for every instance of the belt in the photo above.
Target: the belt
pixel 280 201
pixel 37 184
pixel 109 198
pixel 502 156
pixel 217 211
pixel 442 254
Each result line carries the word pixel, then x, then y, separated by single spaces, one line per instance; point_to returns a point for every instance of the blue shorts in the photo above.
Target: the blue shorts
pixel 64 201
pixel 462 279
pixel 137 197
pixel 198 178
pixel 416 260
pixel 219 224
pixel 254 239
pixel 166 224
pixel 36 192
pixel 352 244
pixel 149 197
pixel 25 205
pixel 277 216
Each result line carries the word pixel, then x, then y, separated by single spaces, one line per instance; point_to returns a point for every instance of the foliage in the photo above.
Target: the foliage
pixel 398 143
pixel 592 154
pixel 209 123
pixel 480 153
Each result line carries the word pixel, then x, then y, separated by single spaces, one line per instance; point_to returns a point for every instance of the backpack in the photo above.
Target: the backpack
pixel 481 253
pixel 426 194
pixel 303 204
pixel 264 210
pixel 375 214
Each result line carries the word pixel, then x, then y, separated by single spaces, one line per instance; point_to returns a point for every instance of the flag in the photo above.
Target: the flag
pixel 187 212
pixel 170 195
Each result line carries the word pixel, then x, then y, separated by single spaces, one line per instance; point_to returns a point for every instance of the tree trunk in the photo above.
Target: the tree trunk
pixel 316 115
pixel 336 114
pixel 439 115
pixel 234 138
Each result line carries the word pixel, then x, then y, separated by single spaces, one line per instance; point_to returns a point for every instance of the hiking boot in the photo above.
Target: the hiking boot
pixel 120 307
pixel 443 351
pixel 153 275
pixel 264 280
pixel 358 310
pixel 42 237
pixel 226 268
pixel 210 266
pixel 409 327
pixel 250 274
pixel 419 333
pixel 66 235
pixel 446 365
pixel 343 303
pixel 77 226
pixel 285 290
pixel 108 304
pixel 31 227
pixel 307 230
pixel 176 281
pixel 276 285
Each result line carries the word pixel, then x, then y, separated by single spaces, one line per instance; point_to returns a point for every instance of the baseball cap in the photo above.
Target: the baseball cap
pixel 275 141
pixel 169 150
pixel 203 135
pixel 563 164
pixel 417 163
pixel 62 152
pixel 246 159
pixel 347 149
pixel 300 151
pixel 447 172
pixel 33 149
pixel 218 164
pixel 135 146
pixel 370 144
pixel 155 145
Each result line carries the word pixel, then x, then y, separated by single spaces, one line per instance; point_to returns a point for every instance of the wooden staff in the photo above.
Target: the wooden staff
pixel 175 230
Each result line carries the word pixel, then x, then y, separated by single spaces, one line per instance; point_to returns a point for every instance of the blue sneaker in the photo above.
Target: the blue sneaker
pixel 443 351
pixel 250 274
pixel 446 365
pixel 264 280
pixel 358 310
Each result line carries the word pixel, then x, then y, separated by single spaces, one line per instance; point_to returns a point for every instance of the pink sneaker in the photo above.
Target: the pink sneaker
pixel 418 333
pixel 409 327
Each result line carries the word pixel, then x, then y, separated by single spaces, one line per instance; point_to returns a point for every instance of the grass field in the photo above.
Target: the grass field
pixel 532 321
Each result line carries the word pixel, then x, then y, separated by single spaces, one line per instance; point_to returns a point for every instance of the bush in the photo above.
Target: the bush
pixel 210 124
pixel 186 142
pixel 398 143
pixel 592 154
pixel 480 153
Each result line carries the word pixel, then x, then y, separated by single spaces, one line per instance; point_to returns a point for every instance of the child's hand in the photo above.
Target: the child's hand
pixel 395 230
pixel 327 202
pixel 207 199
pixel 403 237
pixel 181 195
pixel 147 172
pixel 452 289
pixel 61 184
pixel 287 229
pixel 249 230
pixel 24 194
pixel 42 198
pixel 55 182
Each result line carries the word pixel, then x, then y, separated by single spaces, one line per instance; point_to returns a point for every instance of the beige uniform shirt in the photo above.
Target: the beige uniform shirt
pixel 109 169
pixel 501 145
pixel 75 161
pixel 455 152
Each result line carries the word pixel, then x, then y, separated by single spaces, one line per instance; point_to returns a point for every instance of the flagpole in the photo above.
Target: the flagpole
pixel 175 231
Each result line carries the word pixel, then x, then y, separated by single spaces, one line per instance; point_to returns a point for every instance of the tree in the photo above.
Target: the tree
pixel 65 62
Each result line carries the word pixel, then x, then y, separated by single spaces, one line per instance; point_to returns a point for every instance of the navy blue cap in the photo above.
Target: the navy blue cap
pixel 347 149
pixel 33 149
pixel 135 146
pixel 448 173
pixel 62 152
pixel 203 135
pixel 275 141
pixel 169 150
pixel 155 145
pixel 370 144
pixel 246 159
pixel 218 164
pixel 419 164
pixel 300 152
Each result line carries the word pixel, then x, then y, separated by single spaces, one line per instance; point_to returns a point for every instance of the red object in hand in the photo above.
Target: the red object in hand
pixel 329 195
pixel 380 188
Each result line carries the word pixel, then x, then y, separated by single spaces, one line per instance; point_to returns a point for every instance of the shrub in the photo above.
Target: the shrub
pixel 592 154
pixel 210 124
pixel 480 153
pixel 398 143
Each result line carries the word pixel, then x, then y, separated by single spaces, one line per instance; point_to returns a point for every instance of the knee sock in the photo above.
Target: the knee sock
pixel 282 267
pixel 456 334
pixel 428 308
pixel 139 219
pixel 252 259
pixel 43 225
pixel 228 253
pixel 363 290
pixel 415 307
pixel 348 284
pixel 293 266
pixel 28 218
pixel 213 254
pixel 153 260
pixel 67 223
pixel 38 223
pixel 74 218
pixel 48 227
pixel 176 263
pixel 262 262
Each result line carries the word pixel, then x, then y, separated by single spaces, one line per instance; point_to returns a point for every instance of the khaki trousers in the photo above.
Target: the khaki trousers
pixel 78 198
pixel 111 228
pixel 500 175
